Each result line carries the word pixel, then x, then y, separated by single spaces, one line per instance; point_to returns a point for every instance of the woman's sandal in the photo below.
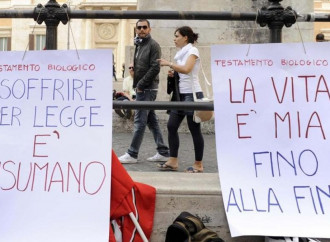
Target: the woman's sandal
pixel 165 167
pixel 191 169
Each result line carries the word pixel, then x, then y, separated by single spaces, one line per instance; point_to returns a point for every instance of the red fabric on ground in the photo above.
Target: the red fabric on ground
pixel 129 196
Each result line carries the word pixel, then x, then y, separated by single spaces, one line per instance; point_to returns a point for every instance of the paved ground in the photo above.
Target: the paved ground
pixel 121 142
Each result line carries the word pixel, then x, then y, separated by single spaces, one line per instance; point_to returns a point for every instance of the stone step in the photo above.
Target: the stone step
pixel 198 194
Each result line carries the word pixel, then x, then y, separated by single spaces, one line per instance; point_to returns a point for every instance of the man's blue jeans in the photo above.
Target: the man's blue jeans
pixel 143 118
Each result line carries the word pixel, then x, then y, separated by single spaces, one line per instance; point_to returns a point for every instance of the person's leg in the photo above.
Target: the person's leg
pixel 198 140
pixel 173 125
pixel 153 125
pixel 140 122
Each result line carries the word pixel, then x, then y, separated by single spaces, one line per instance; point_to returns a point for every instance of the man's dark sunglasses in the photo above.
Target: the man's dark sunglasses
pixel 131 68
pixel 142 27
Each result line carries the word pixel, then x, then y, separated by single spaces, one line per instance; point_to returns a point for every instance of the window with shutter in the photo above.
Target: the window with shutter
pixel 5 43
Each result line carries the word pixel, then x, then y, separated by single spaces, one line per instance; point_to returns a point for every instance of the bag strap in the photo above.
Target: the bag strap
pixel 191 222
pixel 193 88
pixel 206 235
pixel 206 81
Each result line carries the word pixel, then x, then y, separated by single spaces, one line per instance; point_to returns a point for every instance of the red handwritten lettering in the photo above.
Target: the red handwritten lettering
pixel 248 88
pixel 239 124
pixel 36 143
pixel 288 119
pixel 89 178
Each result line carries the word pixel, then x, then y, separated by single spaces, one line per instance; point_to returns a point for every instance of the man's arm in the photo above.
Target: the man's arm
pixel 154 69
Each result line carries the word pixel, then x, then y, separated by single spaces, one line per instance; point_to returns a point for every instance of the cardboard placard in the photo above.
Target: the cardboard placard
pixel 56 141
pixel 272 134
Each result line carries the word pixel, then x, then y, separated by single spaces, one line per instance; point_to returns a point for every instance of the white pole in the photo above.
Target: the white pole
pixel 138 227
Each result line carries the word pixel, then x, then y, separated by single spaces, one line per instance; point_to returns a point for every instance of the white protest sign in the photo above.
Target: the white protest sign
pixel 272 135
pixel 55 142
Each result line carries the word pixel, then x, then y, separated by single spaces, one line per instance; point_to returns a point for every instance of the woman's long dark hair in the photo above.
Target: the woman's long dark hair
pixel 187 31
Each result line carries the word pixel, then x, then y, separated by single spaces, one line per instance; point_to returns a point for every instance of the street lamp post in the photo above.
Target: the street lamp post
pixel 275 16
pixel 52 13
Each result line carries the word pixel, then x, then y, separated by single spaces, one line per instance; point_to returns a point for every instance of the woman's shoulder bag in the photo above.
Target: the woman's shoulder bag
pixel 173 87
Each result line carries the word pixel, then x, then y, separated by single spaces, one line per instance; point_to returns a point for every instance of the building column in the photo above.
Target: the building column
pixel 122 43
pixel 88 32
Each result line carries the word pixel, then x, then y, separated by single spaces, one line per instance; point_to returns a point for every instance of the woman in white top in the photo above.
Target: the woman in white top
pixel 128 94
pixel 187 65
pixel 128 89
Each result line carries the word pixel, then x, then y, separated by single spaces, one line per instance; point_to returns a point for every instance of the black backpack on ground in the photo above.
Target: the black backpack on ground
pixel 188 228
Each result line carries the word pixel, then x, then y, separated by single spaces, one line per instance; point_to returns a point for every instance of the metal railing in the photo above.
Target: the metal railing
pixel 275 16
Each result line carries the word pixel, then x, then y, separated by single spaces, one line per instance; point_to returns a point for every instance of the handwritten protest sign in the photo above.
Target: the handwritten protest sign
pixel 55 142
pixel 272 134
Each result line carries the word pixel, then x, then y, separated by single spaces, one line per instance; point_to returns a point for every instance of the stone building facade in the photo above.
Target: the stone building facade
pixel 322 6
pixel 219 32
pixel 20 34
